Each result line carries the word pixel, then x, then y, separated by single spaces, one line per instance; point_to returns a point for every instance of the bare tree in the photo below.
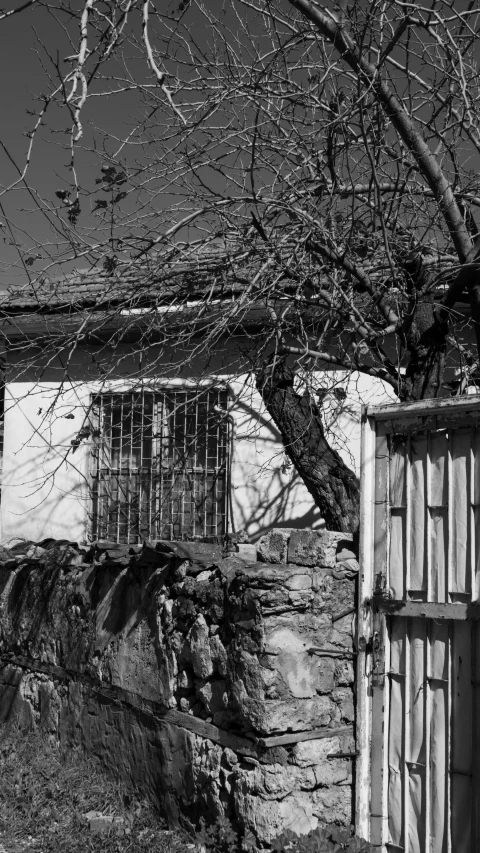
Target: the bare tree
pixel 311 165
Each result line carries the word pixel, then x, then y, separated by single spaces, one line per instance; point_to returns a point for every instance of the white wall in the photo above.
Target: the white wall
pixel 45 485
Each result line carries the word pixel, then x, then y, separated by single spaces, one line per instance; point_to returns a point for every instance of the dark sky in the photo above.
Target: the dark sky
pixel 21 78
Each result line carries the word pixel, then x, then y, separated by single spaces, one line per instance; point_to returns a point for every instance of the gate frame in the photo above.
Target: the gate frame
pixel 366 733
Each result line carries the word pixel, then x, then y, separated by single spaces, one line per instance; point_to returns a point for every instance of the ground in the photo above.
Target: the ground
pixel 50 803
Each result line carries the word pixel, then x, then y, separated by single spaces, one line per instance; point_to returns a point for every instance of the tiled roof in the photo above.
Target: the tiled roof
pixel 164 280
pixel 185 274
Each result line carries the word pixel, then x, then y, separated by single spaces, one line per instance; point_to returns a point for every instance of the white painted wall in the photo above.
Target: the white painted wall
pixel 45 486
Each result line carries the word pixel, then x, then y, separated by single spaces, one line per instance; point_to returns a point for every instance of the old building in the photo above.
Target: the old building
pixel 131 413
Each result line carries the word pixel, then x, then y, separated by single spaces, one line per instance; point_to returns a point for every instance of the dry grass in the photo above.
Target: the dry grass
pixel 44 795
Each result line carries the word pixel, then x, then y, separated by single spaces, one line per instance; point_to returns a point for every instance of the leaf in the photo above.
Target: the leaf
pixel 100 204
pixel 74 212
pixel 119 197
pixel 249 840
pixel 110 263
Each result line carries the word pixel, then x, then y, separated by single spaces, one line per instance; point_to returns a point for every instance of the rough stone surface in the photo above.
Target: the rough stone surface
pixel 312 548
pixel 91 640
pixel 272 548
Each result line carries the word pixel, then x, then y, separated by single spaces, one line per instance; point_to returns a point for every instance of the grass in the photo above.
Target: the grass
pixel 45 794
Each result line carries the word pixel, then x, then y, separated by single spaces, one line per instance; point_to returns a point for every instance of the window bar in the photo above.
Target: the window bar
pixel 142 437
pixel 124 454
pixel 179 464
pixel 109 527
pixel 216 426
pixel 164 463
pixel 213 468
pixel 173 432
pixel 214 504
pixel 205 470
pixel 112 516
pixel 104 474
pixel 118 469
pixel 101 451
pixel 197 465
pixel 104 467
pixel 156 485
pixel 110 520
pixel 95 478
pixel 183 531
pixel 130 486
pixel 228 462
pixel 149 474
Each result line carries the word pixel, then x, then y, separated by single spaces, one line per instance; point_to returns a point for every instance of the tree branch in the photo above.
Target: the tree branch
pixel 403 123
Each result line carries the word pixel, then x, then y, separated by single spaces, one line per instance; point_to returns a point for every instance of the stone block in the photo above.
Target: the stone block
pixel 274 716
pixel 333 805
pixel 101 824
pixel 200 555
pixel 213 695
pixel 273 547
pixel 200 648
pixel 343 696
pixel 247 553
pixel 310 752
pixel 218 655
pixel 315 548
pixel 269 818
pixel 303 674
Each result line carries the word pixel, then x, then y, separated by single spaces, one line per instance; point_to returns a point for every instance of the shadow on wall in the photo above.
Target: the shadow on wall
pixel 275 510
pixel 48 495
pixel 267 492
pixel 38 502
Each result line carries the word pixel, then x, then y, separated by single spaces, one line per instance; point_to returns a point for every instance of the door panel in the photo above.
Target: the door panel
pixel 419 665
pixel 430 674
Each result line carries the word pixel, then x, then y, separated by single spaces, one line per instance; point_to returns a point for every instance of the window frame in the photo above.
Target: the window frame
pixel 165 519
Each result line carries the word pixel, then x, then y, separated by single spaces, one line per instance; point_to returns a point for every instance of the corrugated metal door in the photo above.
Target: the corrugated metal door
pixel 418 775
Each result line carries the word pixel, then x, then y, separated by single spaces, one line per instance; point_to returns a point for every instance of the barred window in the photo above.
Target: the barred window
pixel 161 463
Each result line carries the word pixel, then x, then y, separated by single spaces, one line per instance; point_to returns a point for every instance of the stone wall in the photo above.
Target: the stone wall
pixel 219 685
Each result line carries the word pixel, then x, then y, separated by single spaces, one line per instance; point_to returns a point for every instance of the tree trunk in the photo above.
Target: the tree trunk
pixel 332 485
pixel 425 332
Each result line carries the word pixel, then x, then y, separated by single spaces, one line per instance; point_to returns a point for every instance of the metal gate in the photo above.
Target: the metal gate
pixel 418 773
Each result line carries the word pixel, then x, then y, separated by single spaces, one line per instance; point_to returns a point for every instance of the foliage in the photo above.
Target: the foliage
pixel 221 837
pixel 321 840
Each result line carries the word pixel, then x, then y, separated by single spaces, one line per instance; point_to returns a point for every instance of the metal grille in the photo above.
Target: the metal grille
pixel 160 467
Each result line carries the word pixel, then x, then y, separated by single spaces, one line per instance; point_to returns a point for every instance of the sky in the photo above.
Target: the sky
pixel 21 78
